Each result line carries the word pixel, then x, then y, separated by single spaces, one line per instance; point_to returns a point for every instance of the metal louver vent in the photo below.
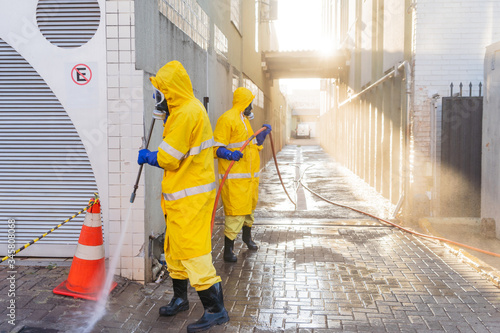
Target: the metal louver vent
pixel 68 23
pixel 45 174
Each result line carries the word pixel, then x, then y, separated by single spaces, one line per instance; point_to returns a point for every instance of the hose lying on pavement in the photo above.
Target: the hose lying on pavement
pixel 278 170
pixel 337 204
pixel 400 227
pixel 379 218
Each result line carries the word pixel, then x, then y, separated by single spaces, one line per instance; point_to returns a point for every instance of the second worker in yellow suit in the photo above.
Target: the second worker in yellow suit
pixel 188 186
pixel 241 188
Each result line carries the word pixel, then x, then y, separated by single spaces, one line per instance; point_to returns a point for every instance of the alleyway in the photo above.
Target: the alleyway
pixel 319 268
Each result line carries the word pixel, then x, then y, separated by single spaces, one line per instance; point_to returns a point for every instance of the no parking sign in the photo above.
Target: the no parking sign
pixel 82 83
pixel 81 74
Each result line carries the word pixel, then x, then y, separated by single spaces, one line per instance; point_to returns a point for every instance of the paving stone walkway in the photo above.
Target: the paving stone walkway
pixel 318 269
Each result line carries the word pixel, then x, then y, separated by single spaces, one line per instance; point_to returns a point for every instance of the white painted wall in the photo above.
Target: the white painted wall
pixel 107 112
pixel 394 14
pixel 85 104
pixel 367 32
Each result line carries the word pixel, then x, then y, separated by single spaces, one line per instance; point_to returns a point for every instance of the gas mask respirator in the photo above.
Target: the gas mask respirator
pixel 248 112
pixel 161 108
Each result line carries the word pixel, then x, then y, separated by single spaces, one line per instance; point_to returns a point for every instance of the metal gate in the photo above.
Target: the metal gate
pixel 45 174
pixel 461 139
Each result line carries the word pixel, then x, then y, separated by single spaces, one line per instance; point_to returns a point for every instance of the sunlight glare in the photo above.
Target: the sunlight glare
pixel 299 25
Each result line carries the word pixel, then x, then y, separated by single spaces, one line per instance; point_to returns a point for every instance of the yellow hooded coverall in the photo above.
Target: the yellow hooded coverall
pixel 188 184
pixel 241 188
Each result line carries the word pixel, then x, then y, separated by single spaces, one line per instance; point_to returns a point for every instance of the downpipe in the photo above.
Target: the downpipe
pixel 406 173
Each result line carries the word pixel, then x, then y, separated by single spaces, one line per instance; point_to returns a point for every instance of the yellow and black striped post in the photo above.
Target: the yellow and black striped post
pixel 11 255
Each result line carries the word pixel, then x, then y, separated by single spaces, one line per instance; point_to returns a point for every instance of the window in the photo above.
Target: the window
pixel 236 13
pixel 259 94
pixel 260 99
pixel 269 10
pixel 236 82
pixel 188 16
pixel 221 44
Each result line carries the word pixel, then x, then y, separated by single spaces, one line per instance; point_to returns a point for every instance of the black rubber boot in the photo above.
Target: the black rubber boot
pixel 179 302
pixel 228 250
pixel 215 312
pixel 247 238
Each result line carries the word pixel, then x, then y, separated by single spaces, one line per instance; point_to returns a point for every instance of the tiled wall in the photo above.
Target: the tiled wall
pixel 125 119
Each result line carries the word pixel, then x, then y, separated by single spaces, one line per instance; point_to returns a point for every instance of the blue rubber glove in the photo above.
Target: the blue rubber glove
pixel 149 157
pixel 226 154
pixel 236 155
pixel 262 135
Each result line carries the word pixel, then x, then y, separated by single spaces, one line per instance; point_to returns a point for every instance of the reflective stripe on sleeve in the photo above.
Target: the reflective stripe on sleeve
pixel 193 151
pixel 256 174
pixel 219 144
pixel 171 150
pixel 235 145
pixel 189 191
pixel 197 150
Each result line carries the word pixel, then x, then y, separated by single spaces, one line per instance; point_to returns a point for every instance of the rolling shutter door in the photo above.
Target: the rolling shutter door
pixel 45 174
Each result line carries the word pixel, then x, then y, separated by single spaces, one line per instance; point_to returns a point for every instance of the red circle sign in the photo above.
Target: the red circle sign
pixel 81 74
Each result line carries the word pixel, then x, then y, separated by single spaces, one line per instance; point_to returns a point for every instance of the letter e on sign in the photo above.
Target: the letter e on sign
pixel 81 74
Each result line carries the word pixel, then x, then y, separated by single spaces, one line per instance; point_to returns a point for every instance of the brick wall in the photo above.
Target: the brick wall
pixel 450 40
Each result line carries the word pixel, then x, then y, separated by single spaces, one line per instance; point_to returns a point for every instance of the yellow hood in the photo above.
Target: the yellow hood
pixel 242 98
pixel 240 192
pixel 174 76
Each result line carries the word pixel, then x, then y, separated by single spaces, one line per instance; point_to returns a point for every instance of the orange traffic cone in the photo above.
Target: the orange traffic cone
pixel 87 274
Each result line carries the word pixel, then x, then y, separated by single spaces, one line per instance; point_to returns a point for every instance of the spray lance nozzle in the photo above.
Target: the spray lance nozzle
pixel 160 112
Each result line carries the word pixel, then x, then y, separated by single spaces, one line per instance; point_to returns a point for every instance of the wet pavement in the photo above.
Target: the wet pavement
pixel 319 268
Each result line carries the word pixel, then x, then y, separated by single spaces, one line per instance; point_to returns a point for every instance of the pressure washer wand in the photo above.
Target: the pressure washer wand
pixel 136 186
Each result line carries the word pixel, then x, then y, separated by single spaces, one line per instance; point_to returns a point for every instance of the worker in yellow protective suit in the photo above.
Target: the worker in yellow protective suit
pixel 241 188
pixel 188 187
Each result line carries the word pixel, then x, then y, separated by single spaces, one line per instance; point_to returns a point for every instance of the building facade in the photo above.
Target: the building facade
pixel 76 103
pixel 387 104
